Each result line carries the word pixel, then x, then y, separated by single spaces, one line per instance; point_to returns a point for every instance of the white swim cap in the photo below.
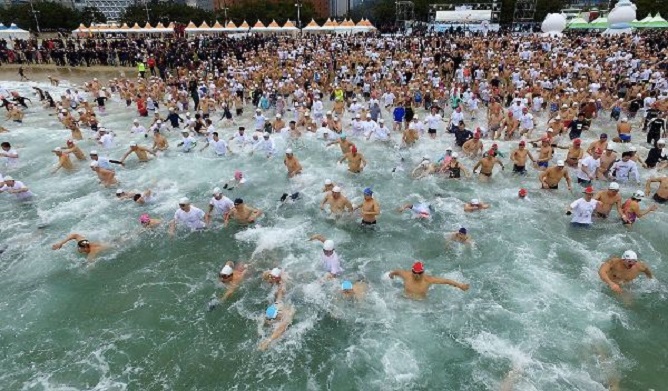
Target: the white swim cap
pixel 8 178
pixel 119 191
pixel 632 149
pixel 275 272
pixel 133 144
pixel 94 163
pixel 454 155
pixel 57 149
pixel 630 255
pixel 227 270
pixel 278 115
pixel 613 186
pixel 288 151
pixel 216 191
pixel 184 200
pixel 328 245
pixel 661 141
pixel 624 119
pixel 358 116
pixel 638 195
pixel 328 181
pixel 266 134
pixel 188 114
pixel 475 201
pixel 560 163
pixel 336 189
pixel 136 121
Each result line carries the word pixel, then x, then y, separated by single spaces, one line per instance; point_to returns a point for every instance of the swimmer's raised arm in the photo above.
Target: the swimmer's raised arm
pixel 445 281
pixel 72 236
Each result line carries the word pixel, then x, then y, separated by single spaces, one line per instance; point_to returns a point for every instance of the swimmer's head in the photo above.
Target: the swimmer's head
pixel 522 193
pixel 238 202
pixel 346 286
pixel 83 245
pixel 272 312
pixel 238 175
pixel 475 202
pixel 144 219
pixel 463 231
pixel 275 274
pixel 328 182
pixel 368 192
pixel 418 268
pixel 136 197
pixel 119 192
pixel 226 273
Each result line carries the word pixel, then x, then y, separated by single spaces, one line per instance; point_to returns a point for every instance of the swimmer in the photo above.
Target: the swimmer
pixel 107 177
pixel 330 259
pixel 616 271
pixel 329 185
pixel 519 158
pixel 523 194
pixel 343 142
pixel 418 211
pixel 370 208
pixel 18 188
pixel 140 151
pixel 71 147
pixel 221 204
pixel 64 161
pixel 147 222
pixel 417 282
pixel 242 214
pixel 231 276
pixel 160 143
pixel 583 208
pixel 276 277
pixel 139 198
pixel 237 180
pixel 486 165
pixel 425 168
pixel 84 246
pixel 356 161
pixel 354 290
pixel 631 209
pixel 607 199
pixel 661 195
pixel 461 236
pixel 550 178
pixel 292 163
pixel 187 215
pixel 475 205
pixel 338 203
pixel 279 316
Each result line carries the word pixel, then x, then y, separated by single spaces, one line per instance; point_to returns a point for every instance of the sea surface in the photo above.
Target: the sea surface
pixel 537 317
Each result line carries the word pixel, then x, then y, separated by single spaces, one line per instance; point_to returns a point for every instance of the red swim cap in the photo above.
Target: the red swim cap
pixel 418 267
pixel 523 192
pixel 353 149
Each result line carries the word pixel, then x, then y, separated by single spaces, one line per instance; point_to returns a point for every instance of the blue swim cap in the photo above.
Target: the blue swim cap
pixel 368 191
pixel 271 312
pixel 347 285
pixel 343 135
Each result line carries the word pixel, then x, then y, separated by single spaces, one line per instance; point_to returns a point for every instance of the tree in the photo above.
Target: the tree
pixel 165 13
pixel 90 15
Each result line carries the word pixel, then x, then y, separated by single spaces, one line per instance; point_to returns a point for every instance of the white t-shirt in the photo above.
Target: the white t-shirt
pixel 11 161
pixel 220 147
pixel 582 210
pixel 191 219
pixel 223 205
pixel 625 170
pixel 107 140
pixel 332 263
pixel 17 186
pixel 591 164
pixel 433 121
pixel 139 129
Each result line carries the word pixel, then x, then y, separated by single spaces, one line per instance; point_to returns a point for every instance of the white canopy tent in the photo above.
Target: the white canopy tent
pixel 13 32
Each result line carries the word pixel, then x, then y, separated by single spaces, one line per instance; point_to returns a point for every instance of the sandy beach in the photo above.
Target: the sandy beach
pixel 77 75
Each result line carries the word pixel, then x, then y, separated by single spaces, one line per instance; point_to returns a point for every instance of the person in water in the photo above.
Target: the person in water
pixel 417 282
pixel 84 246
pixel 617 271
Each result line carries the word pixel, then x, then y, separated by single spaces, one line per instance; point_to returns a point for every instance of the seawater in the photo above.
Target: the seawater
pixel 536 317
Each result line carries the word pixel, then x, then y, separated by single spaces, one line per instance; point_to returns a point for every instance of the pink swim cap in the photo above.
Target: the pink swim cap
pixel 238 175
pixel 144 218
